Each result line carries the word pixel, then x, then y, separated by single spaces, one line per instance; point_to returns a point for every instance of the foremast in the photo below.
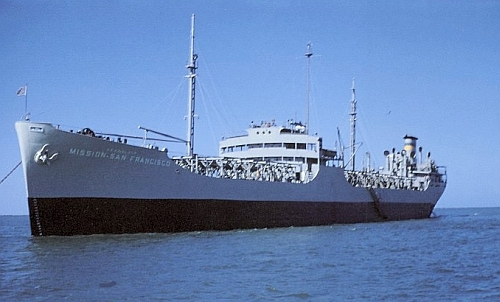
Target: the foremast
pixel 191 93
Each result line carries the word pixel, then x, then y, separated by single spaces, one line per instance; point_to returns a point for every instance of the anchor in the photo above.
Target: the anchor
pixel 42 156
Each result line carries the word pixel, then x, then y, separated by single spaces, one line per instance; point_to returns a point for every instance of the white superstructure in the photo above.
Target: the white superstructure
pixel 269 142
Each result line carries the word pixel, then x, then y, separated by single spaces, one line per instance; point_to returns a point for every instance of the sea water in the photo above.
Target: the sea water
pixel 454 256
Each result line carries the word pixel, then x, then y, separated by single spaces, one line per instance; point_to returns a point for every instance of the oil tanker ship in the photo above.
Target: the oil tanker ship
pixel 83 182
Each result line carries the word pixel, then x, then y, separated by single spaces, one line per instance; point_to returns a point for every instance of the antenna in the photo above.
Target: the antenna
pixel 191 93
pixel 308 55
pixel 353 127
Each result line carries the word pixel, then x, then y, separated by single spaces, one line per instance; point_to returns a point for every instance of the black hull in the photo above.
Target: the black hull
pixel 84 216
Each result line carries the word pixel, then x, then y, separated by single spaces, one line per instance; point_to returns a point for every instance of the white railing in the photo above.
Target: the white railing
pixel 380 180
pixel 234 168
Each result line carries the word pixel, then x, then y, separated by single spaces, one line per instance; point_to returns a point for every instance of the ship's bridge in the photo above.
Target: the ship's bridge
pixel 273 143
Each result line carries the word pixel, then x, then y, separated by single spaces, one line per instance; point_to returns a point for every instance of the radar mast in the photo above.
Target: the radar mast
pixel 308 55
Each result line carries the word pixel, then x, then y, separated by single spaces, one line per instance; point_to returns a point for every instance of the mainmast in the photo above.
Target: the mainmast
pixel 353 127
pixel 191 93
pixel 308 55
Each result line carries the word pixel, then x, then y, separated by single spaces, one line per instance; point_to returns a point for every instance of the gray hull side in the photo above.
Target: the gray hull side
pixel 89 173
pixel 92 167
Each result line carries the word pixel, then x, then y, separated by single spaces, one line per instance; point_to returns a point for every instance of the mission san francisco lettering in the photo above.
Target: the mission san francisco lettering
pixel 120 156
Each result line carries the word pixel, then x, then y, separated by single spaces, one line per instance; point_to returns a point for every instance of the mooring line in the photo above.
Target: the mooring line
pixel 8 174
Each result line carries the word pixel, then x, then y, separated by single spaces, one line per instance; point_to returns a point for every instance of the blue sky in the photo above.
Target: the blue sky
pixel 424 68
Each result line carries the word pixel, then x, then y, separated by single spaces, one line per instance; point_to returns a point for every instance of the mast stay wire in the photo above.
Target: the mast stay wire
pixel 221 117
pixel 204 101
pixel 363 125
pixel 171 98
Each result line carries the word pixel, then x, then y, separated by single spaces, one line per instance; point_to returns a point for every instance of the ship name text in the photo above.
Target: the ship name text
pixel 121 156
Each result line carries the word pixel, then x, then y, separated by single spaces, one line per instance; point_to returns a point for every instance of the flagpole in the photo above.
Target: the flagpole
pixel 26 114
pixel 23 90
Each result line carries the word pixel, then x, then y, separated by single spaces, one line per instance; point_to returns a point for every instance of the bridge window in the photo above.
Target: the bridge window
pixel 311 147
pixel 253 146
pixel 273 145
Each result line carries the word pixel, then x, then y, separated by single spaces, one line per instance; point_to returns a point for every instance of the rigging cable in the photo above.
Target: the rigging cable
pixel 8 174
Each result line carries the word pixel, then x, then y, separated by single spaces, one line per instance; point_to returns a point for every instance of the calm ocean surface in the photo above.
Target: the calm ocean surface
pixel 454 257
